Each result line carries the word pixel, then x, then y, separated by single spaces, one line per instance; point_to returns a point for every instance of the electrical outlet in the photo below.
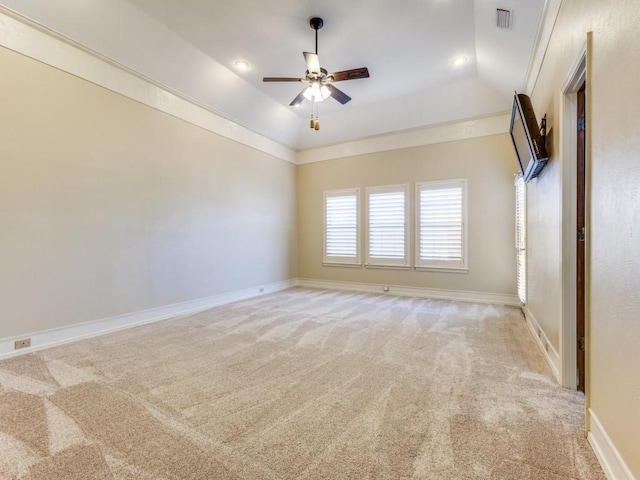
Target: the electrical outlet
pixel 24 343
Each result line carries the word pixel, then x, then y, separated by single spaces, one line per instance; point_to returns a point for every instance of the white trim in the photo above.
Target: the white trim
pixel 568 139
pixel 71 333
pixel 521 227
pixel 388 267
pixel 378 262
pixel 610 459
pixel 38 42
pixel 59 336
pixel 460 266
pixel 543 37
pixel 407 291
pixel 463 130
pixel 550 353
pixel 334 264
pixel 442 269
pixel 332 259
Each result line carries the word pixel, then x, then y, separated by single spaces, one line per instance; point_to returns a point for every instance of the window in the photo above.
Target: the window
pixel 387 226
pixel 521 238
pixel 441 218
pixel 342 227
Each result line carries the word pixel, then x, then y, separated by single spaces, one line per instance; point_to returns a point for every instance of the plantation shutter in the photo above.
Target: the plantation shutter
pixel 521 239
pixel 387 225
pixel 441 224
pixel 341 227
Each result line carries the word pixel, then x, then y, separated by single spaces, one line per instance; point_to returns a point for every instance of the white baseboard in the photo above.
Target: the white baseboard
pixel 550 353
pixel 441 294
pixel 610 459
pixel 71 333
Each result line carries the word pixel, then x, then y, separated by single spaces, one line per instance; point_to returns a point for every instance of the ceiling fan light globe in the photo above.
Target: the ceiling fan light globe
pixel 316 93
pixel 308 93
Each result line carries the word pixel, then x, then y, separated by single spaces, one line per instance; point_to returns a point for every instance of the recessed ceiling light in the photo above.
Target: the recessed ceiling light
pixel 241 65
pixel 459 61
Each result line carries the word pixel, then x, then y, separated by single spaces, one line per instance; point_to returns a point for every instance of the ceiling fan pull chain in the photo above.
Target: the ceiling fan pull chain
pixel 315 124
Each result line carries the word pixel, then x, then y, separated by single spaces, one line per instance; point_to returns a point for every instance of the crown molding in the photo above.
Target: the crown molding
pixel 40 43
pixel 36 41
pixel 546 26
pixel 463 130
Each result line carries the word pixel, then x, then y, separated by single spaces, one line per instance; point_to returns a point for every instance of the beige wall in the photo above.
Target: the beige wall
pixel 488 163
pixel 614 230
pixel 110 207
pixel 544 285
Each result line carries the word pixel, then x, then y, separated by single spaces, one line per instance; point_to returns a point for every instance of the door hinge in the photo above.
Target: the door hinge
pixel 581 344
pixel 581 234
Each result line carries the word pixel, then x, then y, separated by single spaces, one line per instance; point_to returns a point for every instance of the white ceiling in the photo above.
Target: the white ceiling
pixel 190 46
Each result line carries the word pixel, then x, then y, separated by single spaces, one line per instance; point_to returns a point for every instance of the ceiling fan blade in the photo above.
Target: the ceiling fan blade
pixel 282 79
pixel 353 74
pixel 313 64
pixel 298 100
pixel 339 95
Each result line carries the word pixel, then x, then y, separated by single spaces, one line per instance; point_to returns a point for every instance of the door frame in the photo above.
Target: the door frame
pixel 577 75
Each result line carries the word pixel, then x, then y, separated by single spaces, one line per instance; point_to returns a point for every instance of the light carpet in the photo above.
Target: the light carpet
pixel 302 384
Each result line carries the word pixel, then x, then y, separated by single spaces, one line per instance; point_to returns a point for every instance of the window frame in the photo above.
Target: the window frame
pixel 454 266
pixel 521 237
pixel 382 262
pixel 334 260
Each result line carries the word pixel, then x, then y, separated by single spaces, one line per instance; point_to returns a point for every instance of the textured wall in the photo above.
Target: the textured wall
pixel 111 207
pixel 487 162
pixel 614 225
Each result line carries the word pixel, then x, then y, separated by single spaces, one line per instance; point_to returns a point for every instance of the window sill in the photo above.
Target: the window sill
pixel 443 269
pixel 335 264
pixel 391 267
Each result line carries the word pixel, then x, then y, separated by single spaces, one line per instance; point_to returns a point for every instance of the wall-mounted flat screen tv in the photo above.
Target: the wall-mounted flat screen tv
pixel 527 139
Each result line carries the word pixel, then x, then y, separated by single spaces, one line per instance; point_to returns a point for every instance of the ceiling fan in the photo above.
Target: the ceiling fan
pixel 320 82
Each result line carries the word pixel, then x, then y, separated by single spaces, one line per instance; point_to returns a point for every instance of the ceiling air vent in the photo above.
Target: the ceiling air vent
pixel 503 18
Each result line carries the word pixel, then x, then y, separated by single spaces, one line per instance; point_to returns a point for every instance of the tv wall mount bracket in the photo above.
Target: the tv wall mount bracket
pixel 543 129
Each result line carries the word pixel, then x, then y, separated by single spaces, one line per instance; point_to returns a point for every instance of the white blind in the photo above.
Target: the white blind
pixel 521 239
pixel 441 224
pixel 387 225
pixel 341 226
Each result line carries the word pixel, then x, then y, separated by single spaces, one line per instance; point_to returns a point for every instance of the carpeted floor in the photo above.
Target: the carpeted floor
pixel 302 384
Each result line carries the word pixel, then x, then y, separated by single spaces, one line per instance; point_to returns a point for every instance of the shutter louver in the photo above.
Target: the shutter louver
pixel 521 239
pixel 387 226
pixel 441 225
pixel 341 227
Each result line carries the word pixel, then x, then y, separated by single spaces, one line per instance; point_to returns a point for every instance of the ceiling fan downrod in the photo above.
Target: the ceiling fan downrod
pixel 316 23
